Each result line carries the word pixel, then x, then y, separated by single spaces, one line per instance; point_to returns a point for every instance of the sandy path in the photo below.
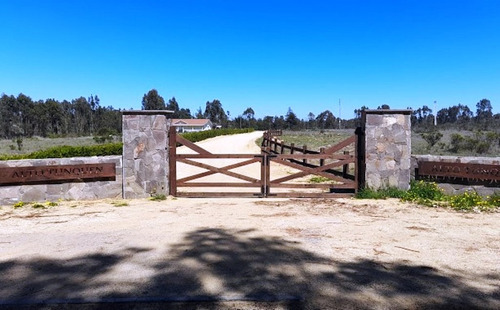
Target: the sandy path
pixel 230 144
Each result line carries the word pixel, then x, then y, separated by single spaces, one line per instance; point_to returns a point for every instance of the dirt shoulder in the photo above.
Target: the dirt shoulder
pixel 308 252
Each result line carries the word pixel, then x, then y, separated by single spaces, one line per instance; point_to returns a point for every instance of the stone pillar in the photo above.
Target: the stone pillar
pixel 387 149
pixel 145 153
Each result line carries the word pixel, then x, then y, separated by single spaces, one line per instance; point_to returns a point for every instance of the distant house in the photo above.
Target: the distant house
pixel 191 125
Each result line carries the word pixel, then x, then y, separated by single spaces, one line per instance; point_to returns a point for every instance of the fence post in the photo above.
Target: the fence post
pixel 322 160
pixel 304 151
pixel 345 168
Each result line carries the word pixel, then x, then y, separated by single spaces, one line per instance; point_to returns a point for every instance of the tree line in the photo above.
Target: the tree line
pixel 23 117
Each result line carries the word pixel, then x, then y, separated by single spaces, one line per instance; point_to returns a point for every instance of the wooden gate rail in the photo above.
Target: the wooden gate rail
pixel 250 182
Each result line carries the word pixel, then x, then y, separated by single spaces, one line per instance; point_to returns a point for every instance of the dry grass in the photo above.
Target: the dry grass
pixel 316 139
pixel 419 146
pixel 33 144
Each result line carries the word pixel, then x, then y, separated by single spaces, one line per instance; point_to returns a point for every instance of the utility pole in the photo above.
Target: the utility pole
pixel 339 114
pixel 435 114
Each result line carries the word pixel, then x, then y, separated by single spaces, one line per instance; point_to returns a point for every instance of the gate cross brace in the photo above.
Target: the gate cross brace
pixel 222 170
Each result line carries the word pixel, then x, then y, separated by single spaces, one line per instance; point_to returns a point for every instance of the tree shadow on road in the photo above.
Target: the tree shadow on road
pixel 212 267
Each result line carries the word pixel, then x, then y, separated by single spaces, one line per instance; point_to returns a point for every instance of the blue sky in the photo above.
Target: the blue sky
pixel 269 55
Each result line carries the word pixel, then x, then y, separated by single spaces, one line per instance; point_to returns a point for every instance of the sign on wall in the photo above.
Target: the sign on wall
pixel 57 174
pixel 460 172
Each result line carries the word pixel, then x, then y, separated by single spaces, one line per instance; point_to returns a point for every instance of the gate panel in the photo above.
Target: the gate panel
pixel 204 174
pixel 327 173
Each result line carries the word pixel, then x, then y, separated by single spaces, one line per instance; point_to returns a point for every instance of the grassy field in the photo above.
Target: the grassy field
pixel 33 144
pixel 313 139
pixel 442 147
pixel 316 139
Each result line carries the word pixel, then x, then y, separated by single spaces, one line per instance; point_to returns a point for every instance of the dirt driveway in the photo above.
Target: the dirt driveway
pixel 248 253
pixel 368 254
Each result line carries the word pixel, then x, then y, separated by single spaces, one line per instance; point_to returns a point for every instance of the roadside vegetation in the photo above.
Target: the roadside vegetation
pixel 88 146
pixel 456 143
pixel 429 194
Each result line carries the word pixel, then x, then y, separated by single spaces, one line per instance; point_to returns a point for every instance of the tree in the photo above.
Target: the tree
pixel 291 120
pixel 55 115
pixel 484 110
pixel 173 106
pixel 484 115
pixel 311 120
pixel 384 107
pixel 27 114
pixel 83 114
pixel 249 114
pixel 153 101
pixel 199 114
pixel 359 111
pixel 325 120
pixel 215 112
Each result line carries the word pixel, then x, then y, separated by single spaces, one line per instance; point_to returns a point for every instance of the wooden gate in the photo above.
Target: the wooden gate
pixel 298 173
pixel 330 172
pixel 239 185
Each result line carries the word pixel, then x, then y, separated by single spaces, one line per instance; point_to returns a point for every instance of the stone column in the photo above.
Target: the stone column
pixel 145 153
pixel 387 148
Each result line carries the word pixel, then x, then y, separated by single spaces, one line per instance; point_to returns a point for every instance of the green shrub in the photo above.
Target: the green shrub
pixel 466 201
pixel 202 135
pixel 480 143
pixel 494 200
pixel 429 194
pixel 384 193
pixel 425 193
pixel 66 151
pixel 431 137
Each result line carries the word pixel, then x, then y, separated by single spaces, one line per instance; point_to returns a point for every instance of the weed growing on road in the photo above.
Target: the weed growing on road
pixel 319 179
pixel 158 197
pixel 120 203
pixel 18 205
pixel 38 206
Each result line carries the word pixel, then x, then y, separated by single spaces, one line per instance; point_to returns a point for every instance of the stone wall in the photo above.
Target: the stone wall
pixel 67 191
pixel 455 189
pixel 145 153
pixel 387 148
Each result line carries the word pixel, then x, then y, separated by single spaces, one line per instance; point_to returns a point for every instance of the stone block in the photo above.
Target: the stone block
pixel 34 193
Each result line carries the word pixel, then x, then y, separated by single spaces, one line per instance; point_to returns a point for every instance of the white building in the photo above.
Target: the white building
pixel 191 125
